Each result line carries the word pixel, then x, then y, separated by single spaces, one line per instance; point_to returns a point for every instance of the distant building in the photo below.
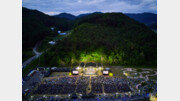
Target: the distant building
pixel 52 42
pixel 54 68
pixel 106 71
pixel 63 33
pixel 52 28
pixel 59 32
pixel 75 72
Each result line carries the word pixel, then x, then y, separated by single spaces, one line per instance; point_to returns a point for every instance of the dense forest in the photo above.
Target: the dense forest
pixel 109 38
pixel 36 26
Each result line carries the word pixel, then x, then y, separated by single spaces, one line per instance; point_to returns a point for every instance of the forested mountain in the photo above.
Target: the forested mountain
pixel 109 38
pixel 66 15
pixel 72 17
pixel 86 14
pixel 148 19
pixel 36 26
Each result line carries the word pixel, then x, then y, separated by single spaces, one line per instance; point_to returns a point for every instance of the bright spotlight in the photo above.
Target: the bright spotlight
pixel 78 68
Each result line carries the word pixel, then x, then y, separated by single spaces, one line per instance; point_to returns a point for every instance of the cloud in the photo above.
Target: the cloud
pixel 77 7
pixel 52 13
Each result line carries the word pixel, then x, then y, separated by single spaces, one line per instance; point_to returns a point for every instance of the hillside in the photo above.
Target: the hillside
pixel 148 19
pixel 110 38
pixel 86 14
pixel 66 15
pixel 36 26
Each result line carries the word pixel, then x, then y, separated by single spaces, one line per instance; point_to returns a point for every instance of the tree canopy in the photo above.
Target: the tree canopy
pixel 110 38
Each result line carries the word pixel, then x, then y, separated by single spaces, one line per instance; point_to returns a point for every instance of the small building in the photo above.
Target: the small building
pixel 52 28
pixel 52 42
pixel 106 71
pixel 59 31
pixel 63 33
pixel 54 68
pixel 75 72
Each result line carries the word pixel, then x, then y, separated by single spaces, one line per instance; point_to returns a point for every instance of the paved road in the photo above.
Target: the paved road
pixel 37 54
pixel 31 83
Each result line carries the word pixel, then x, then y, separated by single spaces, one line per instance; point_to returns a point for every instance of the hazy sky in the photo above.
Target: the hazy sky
pixel 77 7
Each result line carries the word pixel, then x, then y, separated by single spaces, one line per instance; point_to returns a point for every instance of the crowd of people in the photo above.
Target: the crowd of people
pixel 66 85
pixel 61 85
pixel 99 85
pixel 111 84
pixel 121 97
pixel 61 80
pixel 103 87
pixel 82 84
pixel 54 89
pixel 97 88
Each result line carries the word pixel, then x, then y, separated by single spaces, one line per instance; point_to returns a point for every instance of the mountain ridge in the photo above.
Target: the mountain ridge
pixel 109 38
pixel 149 19
pixel 66 15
